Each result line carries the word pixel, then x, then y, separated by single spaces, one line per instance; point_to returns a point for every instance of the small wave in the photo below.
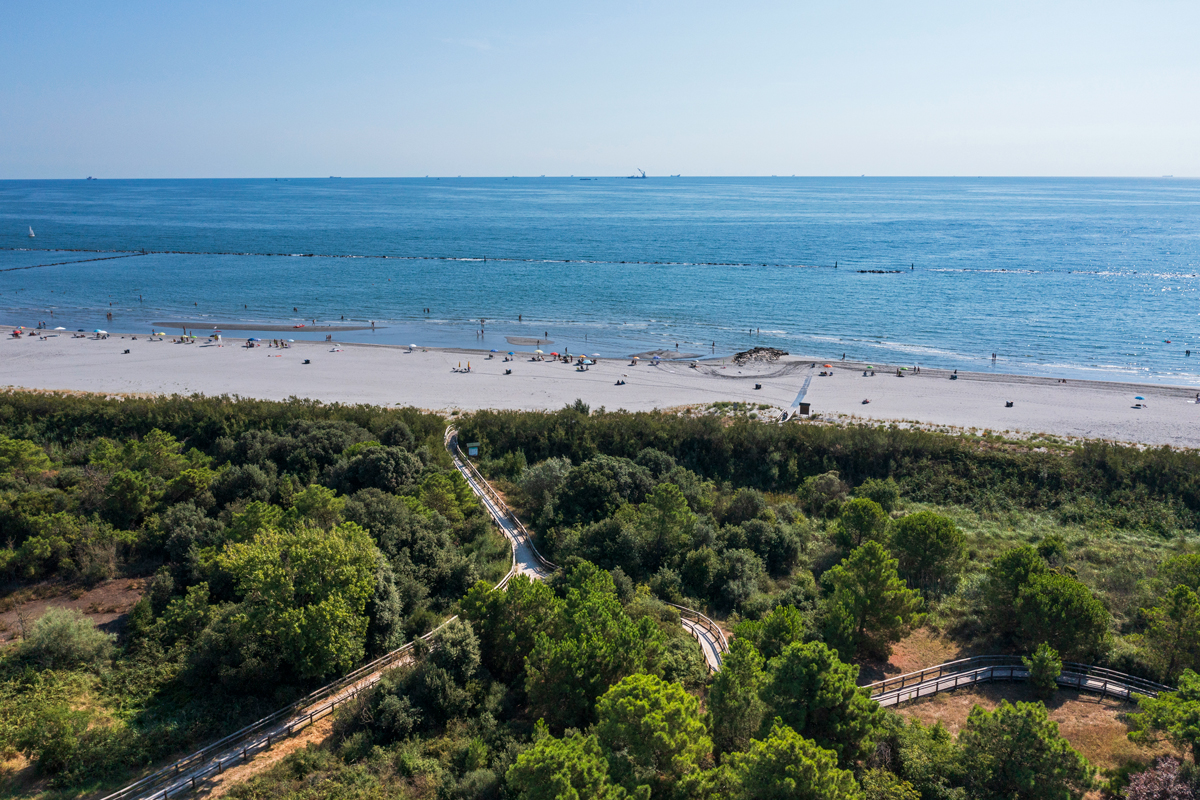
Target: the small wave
pixel 986 270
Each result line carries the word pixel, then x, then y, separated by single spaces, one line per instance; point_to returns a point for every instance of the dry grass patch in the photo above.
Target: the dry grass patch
pixel 921 649
pixel 1093 725
pixel 105 603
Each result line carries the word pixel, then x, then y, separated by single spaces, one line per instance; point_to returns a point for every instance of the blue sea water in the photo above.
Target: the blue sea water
pixel 1093 278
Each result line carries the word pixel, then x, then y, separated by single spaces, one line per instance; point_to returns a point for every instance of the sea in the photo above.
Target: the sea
pixel 1078 278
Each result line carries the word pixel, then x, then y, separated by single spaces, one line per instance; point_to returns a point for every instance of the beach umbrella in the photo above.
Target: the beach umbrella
pixel 870 366
pixel 97 331
pixel 537 351
pixel 588 361
pixel 511 353
pixel 494 350
pixel 60 329
pixel 595 355
pixel 551 353
pixel 829 365
pixel 1139 397
pixel 254 339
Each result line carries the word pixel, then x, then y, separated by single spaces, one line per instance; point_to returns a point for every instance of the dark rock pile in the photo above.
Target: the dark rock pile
pixel 760 355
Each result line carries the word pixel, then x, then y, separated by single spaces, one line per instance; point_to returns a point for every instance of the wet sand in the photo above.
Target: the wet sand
pixel 204 328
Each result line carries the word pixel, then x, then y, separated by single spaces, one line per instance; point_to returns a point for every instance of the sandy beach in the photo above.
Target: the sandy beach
pixel 431 379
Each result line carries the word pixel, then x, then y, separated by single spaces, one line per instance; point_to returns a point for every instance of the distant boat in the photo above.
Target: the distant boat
pixel 674 176
pixel 30 231
pixel 636 177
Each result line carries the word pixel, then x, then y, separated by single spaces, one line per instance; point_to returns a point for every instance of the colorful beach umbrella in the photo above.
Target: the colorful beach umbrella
pixel 511 353
pixel 1139 397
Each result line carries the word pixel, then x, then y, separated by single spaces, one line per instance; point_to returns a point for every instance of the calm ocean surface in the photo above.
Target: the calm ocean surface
pixel 1064 277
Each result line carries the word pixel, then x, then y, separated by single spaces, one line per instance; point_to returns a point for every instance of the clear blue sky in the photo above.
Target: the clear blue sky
pixel 223 89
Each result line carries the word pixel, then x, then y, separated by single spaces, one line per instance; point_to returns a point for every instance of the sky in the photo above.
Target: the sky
pixel 259 89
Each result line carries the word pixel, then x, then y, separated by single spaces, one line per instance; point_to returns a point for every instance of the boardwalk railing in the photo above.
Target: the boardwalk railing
pixel 494 496
pixel 988 669
pixel 718 635
pixel 262 734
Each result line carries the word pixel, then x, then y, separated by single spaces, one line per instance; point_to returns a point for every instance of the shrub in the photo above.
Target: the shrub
pixel 822 495
pixel 1061 610
pixel 931 550
pixel 861 521
pixel 885 492
pixel 64 638
pixel 1163 781
pixel 1044 668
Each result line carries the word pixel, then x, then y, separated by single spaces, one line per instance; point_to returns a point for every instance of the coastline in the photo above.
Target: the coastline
pixel 256 326
pixel 391 375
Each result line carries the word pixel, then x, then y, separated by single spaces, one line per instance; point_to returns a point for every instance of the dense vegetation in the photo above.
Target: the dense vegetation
pixel 283 543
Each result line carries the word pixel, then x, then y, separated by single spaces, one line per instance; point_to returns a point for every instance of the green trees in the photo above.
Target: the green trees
pixel 593 490
pixel 884 492
pixel 1175 715
pixel 735 708
pixel 594 644
pixel 869 607
pixel 783 626
pixel 861 521
pixel 307 589
pixel 814 693
pixel 785 765
pixel 1017 752
pixel 1044 668
pixel 573 768
pixel 653 732
pixel 1006 575
pixel 1025 599
pixel 509 621
pixel 1060 610
pixel 930 550
pixel 665 524
pixel 1173 632
pixel 21 457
